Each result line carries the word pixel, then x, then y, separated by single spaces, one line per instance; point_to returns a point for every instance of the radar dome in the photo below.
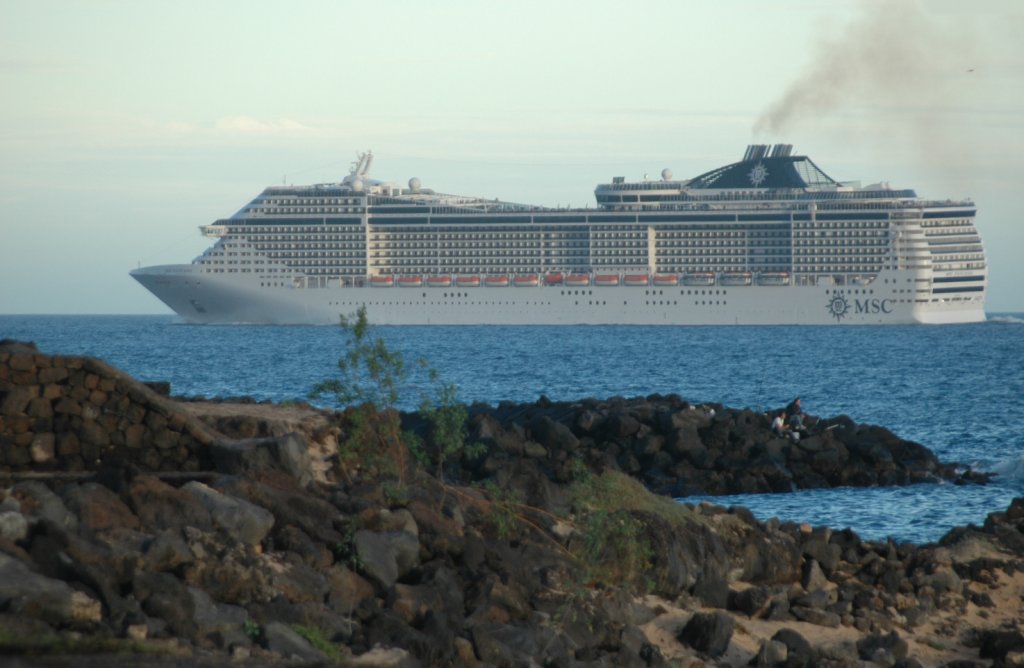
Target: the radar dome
pixel 357 185
pixel 666 174
pixel 414 183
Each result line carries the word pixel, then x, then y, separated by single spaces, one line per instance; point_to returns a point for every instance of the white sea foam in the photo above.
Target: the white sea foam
pixel 1010 469
pixel 1006 319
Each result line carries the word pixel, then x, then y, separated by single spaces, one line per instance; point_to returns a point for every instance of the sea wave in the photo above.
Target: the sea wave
pixel 1007 319
pixel 1010 469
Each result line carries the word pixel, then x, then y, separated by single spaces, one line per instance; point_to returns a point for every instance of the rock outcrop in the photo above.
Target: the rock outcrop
pixel 247 545
pixel 679 449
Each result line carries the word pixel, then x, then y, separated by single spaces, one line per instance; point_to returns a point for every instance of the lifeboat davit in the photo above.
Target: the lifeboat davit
pixel 606 279
pixel 635 280
pixel 734 278
pixel 699 278
pixel 496 281
pixel 666 279
pixel 773 278
pixel 577 280
pixel 382 281
pixel 439 281
pixel 526 281
pixel 467 281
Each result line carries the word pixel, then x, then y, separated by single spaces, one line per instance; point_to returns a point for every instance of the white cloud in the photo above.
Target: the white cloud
pixel 247 125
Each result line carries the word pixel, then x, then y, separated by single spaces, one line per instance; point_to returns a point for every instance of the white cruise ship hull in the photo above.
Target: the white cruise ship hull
pixel 768 240
pixel 204 298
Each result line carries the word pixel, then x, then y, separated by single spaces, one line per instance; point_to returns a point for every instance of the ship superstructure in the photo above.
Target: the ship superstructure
pixel 770 239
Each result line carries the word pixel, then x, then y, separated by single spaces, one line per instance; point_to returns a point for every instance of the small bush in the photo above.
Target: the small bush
pixel 316 638
pixel 371 378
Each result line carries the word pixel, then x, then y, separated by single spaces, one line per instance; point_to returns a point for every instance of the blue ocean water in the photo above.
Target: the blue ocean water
pixel 957 389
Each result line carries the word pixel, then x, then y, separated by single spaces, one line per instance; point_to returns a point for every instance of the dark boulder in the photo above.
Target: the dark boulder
pixel 885 649
pixel 799 653
pixel 997 643
pixel 165 596
pixel 708 633
pixel 554 436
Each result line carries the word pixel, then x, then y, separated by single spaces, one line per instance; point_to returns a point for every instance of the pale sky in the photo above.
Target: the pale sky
pixel 125 125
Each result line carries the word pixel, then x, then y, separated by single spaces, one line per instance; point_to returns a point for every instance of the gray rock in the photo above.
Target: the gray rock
pixel 826 554
pixel 553 435
pixel 588 420
pixel 13 526
pixel 98 508
pixel 752 601
pixel 885 650
pixel 507 645
pixel 383 520
pixel 288 453
pixel 813 579
pixel 245 522
pixel 708 633
pixel 166 552
pixel 799 651
pixel 346 590
pixel 231 639
pixel 297 581
pixel 386 556
pixel 620 425
pixel 998 643
pixel 211 616
pixel 815 616
pixel 771 653
pixel 712 591
pixel 44 505
pixel 944 579
pixel 29 594
pixel 818 600
pixel 281 639
pixel 164 596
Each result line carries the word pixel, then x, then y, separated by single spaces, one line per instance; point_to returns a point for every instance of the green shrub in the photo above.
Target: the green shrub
pixel 370 376
pixel 316 638
pixel 370 380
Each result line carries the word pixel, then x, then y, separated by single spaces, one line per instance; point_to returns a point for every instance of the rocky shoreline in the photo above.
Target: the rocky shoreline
pixel 136 529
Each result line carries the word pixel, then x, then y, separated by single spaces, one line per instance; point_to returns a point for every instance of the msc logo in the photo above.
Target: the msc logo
pixel 839 306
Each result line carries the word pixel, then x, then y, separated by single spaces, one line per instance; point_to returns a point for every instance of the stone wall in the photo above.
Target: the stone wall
pixel 75 413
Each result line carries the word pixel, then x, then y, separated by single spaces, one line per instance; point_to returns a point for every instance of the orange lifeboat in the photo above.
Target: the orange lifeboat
pixel 496 281
pixel 554 278
pixel 605 280
pixel 410 281
pixel 635 280
pixel 526 281
pixel 577 280
pixel 467 281
pixel 382 281
pixel 439 281
pixel 666 279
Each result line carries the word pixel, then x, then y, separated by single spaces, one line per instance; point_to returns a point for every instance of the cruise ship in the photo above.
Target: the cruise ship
pixel 768 240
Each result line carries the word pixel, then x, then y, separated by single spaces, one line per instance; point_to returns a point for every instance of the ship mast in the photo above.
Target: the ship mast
pixel 360 167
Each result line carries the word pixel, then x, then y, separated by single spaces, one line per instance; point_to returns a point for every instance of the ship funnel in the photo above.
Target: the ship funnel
pixel 782 150
pixel 755 151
